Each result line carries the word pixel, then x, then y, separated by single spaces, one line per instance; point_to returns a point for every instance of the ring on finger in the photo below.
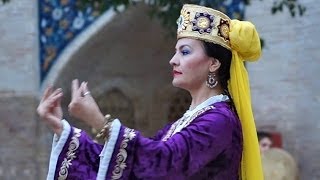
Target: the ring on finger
pixel 86 93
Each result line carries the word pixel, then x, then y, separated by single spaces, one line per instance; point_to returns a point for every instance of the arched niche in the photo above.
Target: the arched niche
pixel 128 51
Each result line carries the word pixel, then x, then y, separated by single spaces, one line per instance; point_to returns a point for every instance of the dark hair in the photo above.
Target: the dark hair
pixel 224 56
pixel 262 134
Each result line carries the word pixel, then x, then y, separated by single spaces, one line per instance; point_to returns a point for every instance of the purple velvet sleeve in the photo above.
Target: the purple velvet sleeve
pixel 161 132
pixel 185 152
pixel 79 157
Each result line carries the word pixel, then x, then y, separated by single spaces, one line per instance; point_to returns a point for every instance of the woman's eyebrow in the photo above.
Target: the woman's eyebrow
pixel 182 46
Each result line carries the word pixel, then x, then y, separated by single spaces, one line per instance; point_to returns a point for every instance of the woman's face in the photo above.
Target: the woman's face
pixel 190 64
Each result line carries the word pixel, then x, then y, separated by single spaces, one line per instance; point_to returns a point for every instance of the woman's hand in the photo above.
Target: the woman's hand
pixel 50 110
pixel 84 107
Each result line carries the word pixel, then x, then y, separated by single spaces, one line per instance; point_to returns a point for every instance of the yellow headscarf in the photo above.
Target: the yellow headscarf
pixel 245 45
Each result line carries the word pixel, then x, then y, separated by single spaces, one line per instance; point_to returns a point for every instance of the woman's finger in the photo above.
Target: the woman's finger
pixel 58 101
pixel 48 102
pixel 41 110
pixel 89 97
pixel 55 92
pixel 83 89
pixel 46 93
pixel 75 89
pixel 52 100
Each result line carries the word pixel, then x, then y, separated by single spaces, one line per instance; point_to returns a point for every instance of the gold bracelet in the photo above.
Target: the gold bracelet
pixel 105 131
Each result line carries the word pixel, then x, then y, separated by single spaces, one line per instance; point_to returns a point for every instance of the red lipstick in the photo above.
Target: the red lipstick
pixel 174 72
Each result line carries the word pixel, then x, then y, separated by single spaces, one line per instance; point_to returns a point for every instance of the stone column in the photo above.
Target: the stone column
pixel 19 86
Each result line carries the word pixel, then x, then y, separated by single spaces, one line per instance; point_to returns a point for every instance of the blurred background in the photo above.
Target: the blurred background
pixel 122 48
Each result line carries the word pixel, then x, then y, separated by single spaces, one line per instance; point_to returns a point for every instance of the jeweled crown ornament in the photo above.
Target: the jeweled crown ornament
pixel 204 24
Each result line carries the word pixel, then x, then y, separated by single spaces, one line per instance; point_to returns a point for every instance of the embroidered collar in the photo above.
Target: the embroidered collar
pixel 190 115
pixel 209 101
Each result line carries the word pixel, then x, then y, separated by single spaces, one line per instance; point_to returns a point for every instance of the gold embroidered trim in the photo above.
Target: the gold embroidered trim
pixel 128 135
pixel 71 154
pixel 182 120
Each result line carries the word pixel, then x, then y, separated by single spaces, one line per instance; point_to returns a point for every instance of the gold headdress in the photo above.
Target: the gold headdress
pixel 205 24
pixel 243 40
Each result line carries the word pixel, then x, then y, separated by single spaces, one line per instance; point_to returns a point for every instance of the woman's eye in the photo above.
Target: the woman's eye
pixel 185 52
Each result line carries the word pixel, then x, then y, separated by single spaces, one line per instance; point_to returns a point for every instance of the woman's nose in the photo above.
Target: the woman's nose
pixel 174 61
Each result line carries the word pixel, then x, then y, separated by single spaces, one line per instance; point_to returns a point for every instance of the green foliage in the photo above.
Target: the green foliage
pixel 102 5
pixel 167 11
pixel 293 6
pixel 5 1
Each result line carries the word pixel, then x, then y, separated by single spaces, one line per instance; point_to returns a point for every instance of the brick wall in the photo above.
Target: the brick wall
pixel 285 85
pixel 19 82
pixel 18 47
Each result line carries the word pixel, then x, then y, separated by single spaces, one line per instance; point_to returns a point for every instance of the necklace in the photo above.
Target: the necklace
pixel 190 115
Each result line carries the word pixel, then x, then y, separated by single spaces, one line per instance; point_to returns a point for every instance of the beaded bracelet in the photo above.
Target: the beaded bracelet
pixel 105 131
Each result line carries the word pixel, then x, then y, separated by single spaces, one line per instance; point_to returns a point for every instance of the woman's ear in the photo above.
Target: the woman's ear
pixel 214 64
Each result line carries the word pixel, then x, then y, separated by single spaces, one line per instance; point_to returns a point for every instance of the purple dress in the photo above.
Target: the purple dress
pixel 208 147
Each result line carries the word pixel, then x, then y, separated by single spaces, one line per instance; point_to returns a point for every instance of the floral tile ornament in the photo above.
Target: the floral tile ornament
pixel 60 21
